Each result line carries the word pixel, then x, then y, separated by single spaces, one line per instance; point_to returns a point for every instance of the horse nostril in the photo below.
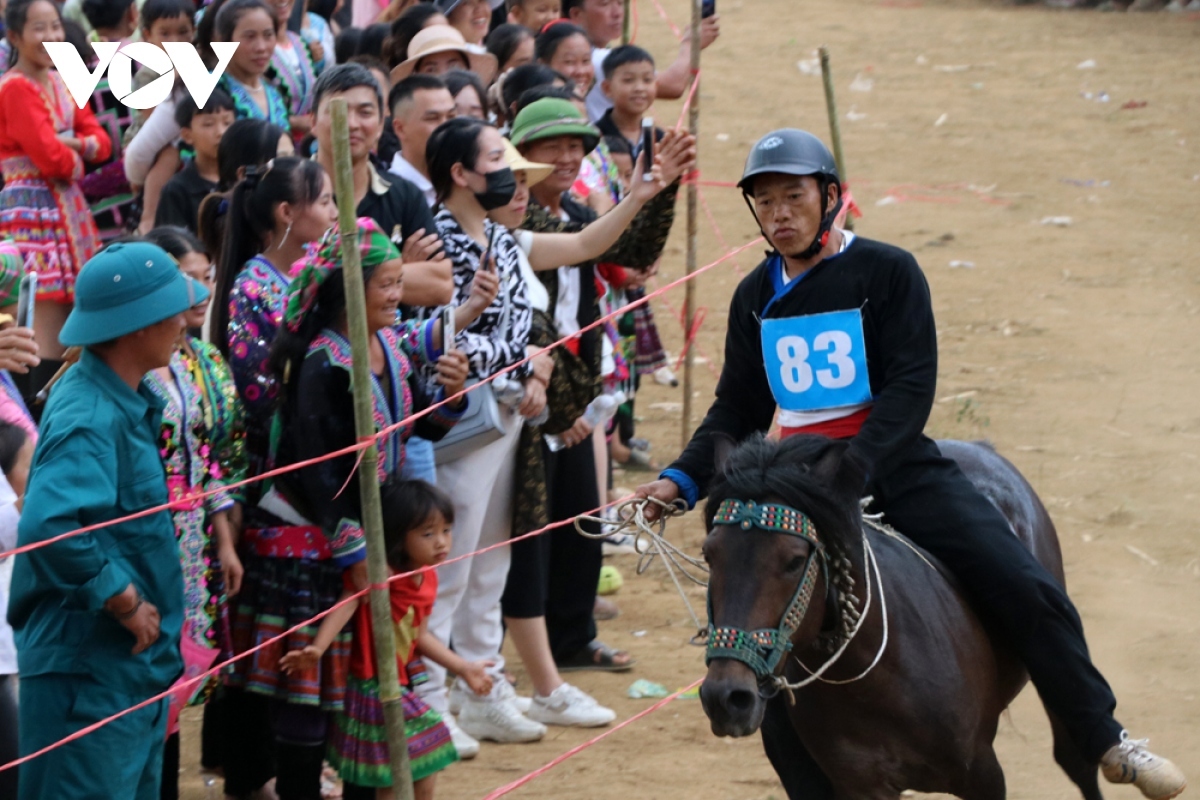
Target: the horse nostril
pixel 740 701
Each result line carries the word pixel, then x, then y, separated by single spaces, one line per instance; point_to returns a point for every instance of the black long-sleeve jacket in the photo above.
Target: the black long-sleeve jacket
pixel 888 286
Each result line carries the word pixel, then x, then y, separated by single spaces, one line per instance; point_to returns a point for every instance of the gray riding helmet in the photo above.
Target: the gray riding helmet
pixel 789 151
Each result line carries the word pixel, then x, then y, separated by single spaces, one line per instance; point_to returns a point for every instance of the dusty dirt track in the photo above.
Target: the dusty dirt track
pixel 1069 347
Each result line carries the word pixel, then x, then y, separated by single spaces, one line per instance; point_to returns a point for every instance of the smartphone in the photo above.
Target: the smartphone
pixel 648 139
pixel 486 261
pixel 708 8
pixel 26 296
pixel 448 332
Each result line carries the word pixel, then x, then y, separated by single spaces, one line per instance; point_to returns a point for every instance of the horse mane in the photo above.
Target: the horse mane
pixel 808 473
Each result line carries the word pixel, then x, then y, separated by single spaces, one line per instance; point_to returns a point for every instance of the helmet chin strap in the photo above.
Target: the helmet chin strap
pixel 827 217
pixel 822 238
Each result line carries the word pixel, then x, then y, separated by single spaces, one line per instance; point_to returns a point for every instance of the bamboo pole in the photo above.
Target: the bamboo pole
pixel 689 312
pixel 626 26
pixel 368 482
pixel 835 128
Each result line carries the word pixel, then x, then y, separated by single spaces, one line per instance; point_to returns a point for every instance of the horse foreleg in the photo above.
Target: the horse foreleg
pixel 802 779
pixel 1081 772
pixel 986 779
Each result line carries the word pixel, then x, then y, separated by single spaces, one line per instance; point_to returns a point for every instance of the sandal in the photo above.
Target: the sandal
pixel 597 656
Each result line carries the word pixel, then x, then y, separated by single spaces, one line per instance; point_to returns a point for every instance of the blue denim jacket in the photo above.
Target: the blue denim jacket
pixel 97 459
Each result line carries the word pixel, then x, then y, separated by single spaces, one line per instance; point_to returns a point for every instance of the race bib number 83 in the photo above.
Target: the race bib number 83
pixel 817 362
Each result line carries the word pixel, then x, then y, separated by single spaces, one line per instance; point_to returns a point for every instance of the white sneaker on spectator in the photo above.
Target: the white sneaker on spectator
pixel 619 544
pixel 458 693
pixel 570 707
pixel 497 720
pixel 464 743
pixel 504 691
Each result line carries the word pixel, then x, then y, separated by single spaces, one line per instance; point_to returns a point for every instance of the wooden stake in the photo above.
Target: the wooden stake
pixel 835 129
pixel 368 481
pixel 689 311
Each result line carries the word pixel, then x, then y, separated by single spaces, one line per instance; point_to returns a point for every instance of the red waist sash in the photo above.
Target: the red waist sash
pixel 840 428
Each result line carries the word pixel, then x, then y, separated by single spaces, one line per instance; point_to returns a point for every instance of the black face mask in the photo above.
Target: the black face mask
pixel 501 186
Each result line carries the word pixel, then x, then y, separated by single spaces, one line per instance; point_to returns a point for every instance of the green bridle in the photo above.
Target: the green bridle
pixel 763 649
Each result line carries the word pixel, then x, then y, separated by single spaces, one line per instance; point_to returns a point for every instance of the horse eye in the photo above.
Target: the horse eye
pixel 795 564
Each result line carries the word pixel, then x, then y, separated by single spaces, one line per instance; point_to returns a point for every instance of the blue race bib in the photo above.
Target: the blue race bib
pixel 817 362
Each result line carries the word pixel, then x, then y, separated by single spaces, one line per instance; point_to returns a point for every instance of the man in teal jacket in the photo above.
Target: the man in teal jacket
pixel 98 615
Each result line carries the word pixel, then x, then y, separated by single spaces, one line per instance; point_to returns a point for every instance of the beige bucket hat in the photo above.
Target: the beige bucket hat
pixel 443 39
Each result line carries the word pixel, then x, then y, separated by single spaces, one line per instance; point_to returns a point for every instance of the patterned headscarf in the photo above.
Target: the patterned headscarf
pixel 325 258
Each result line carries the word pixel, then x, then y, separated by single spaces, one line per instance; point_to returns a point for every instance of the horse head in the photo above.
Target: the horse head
pixel 775 512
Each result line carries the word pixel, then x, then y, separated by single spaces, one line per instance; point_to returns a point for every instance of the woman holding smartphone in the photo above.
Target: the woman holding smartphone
pixel 469 173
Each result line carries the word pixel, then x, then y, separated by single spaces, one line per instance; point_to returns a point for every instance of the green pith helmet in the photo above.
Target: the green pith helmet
pixel 789 151
pixel 551 117
pixel 125 287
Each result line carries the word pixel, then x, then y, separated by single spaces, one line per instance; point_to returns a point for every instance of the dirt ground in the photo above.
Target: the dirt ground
pixel 1066 345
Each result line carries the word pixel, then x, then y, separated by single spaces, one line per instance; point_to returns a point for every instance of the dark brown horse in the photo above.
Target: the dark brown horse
pixel 924 714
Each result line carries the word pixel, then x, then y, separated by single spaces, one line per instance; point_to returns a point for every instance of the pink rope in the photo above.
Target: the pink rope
pixel 519 782
pixel 79 734
pixel 688 101
pixel 697 320
pixel 737 267
pixel 678 315
pixel 362 445
pixel 662 12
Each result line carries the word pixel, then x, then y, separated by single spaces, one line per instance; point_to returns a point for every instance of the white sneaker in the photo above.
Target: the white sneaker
pixel 464 743
pixel 497 721
pixel 458 694
pixel 620 544
pixel 503 690
pixel 665 376
pixel 570 707
pixel 1129 761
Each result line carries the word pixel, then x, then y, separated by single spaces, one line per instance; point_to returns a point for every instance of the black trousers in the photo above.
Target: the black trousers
pixel 169 790
pixel 931 501
pixel 9 748
pixel 574 561
pixel 245 742
pixel 300 736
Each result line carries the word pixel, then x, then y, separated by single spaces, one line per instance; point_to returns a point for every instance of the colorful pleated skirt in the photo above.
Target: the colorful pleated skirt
pixel 278 594
pixel 358 746
pixel 51 225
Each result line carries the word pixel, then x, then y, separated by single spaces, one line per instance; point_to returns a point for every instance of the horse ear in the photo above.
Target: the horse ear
pixel 723 447
pixel 852 475
pixel 838 469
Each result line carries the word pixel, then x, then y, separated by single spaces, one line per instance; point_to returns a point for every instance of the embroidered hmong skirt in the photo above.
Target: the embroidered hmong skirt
pixel 650 355
pixel 206 611
pixel 51 224
pixel 358 746
pixel 277 594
